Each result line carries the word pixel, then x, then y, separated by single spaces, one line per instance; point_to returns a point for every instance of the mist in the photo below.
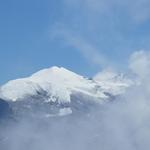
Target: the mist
pixel 123 124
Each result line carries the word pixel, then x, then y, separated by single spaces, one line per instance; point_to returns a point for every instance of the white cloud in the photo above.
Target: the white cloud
pixel 140 63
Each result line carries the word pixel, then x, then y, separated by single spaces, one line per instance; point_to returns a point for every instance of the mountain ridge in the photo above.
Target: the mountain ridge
pixel 63 89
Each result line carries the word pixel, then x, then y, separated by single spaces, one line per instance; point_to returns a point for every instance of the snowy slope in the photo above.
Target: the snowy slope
pixel 60 85
pixel 113 82
pixel 61 82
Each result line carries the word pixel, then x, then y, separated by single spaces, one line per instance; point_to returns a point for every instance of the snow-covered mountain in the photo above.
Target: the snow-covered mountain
pixel 58 91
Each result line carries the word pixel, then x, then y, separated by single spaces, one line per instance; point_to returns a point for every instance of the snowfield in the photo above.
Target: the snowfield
pixel 58 85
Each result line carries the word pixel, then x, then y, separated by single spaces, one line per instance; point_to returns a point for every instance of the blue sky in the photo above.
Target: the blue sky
pixel 81 35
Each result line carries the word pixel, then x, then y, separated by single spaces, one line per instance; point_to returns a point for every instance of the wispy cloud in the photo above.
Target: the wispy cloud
pixel 104 31
pixel 91 53
pixel 139 63
pixel 137 10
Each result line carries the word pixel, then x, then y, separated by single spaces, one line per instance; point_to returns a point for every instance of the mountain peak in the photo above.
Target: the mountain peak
pixel 51 70
pixel 54 74
pixel 59 84
pixel 55 80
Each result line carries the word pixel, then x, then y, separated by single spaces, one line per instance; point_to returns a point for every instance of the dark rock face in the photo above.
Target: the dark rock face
pixel 5 110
